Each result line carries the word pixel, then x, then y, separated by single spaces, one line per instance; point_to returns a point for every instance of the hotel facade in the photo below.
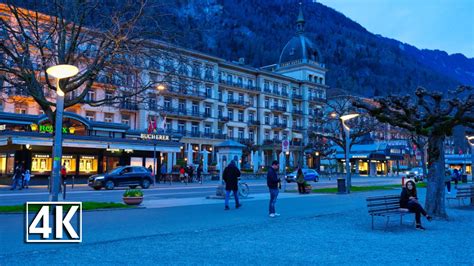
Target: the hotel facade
pixel 204 100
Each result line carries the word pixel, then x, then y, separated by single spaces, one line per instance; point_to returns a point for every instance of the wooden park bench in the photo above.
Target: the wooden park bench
pixel 462 193
pixel 385 206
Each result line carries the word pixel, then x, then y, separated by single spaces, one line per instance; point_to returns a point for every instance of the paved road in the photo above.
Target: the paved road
pixel 313 229
pixel 164 191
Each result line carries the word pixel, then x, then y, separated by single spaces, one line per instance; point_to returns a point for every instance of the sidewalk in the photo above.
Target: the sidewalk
pixel 313 229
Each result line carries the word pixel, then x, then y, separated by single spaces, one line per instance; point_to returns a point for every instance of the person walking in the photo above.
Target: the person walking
pixel 163 173
pixel 190 173
pixel 231 178
pixel 447 180
pixel 300 181
pixel 63 177
pixel 273 183
pixel 456 177
pixel 409 200
pixel 199 173
pixel 182 174
pixel 27 179
pixel 17 177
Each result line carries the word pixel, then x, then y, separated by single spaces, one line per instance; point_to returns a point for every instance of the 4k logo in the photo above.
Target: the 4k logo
pixel 66 220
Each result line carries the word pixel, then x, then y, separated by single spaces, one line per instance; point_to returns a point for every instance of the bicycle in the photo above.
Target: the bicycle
pixel 243 189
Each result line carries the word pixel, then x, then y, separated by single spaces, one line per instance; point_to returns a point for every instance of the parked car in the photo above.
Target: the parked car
pixel 309 175
pixel 416 174
pixel 123 176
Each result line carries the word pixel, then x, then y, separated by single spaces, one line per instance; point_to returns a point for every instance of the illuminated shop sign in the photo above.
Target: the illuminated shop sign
pixel 154 136
pixel 50 129
pixel 41 155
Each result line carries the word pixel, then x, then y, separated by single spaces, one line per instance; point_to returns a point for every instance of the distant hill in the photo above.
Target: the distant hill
pixel 358 60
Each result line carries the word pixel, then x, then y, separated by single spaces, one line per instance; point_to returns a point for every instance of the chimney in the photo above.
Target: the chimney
pixel 242 60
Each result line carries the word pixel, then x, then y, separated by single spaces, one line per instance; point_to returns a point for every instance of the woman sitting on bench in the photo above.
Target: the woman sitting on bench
pixel 409 200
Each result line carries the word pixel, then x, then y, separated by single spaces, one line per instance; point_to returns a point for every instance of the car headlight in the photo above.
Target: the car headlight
pixel 99 178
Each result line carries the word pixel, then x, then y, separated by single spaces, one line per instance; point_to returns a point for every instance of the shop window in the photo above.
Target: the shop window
pixel 69 162
pixel 41 163
pixel 88 164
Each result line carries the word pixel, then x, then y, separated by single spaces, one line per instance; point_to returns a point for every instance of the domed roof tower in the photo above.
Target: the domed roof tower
pixel 299 49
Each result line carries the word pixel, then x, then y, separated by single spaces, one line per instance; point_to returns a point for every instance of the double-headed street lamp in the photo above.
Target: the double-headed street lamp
pixel 59 72
pixel 347 131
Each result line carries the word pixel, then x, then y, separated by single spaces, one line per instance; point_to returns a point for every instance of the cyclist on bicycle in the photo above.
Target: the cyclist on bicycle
pixel 231 177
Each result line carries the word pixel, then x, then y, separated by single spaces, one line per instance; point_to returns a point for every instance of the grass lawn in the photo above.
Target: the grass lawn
pixel 86 205
pixel 363 188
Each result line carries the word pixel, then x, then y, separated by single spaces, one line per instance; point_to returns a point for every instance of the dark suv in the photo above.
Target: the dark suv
pixel 131 176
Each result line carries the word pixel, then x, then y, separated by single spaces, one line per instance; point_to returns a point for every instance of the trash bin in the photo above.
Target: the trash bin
pixel 464 178
pixel 341 186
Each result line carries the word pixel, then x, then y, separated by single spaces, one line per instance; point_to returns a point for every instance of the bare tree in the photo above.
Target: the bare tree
pixel 432 115
pixel 329 126
pixel 108 44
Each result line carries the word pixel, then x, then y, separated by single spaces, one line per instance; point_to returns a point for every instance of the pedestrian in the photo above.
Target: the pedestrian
pixel 300 181
pixel 17 177
pixel 231 178
pixel 447 180
pixel 456 177
pixel 190 173
pixel 199 173
pixel 27 178
pixel 409 200
pixel 273 183
pixel 150 168
pixel 182 174
pixel 163 173
pixel 63 177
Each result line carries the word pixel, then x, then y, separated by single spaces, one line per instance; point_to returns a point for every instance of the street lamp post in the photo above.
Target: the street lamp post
pixel 59 72
pixel 347 131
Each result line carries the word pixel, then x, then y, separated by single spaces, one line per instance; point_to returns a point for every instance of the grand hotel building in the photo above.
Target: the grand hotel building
pixel 205 101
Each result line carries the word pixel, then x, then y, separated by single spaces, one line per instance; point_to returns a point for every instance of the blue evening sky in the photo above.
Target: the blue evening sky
pixel 446 25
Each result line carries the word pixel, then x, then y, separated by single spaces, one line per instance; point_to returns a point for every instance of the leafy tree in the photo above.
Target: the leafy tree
pixel 432 115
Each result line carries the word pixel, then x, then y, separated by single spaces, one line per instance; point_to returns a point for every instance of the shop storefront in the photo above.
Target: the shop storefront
pixel 88 147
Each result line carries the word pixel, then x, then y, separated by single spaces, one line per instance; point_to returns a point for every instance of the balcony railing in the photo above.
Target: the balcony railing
pixel 276 92
pixel 267 90
pixel 298 112
pixel 183 112
pixel 279 108
pixel 129 106
pixel 299 128
pixel 253 122
pixel 238 102
pixel 284 93
pixel 297 96
pixel 223 118
pixel 185 92
pixel 271 141
pixel 279 125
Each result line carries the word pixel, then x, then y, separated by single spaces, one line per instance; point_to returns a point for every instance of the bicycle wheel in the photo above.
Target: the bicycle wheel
pixel 244 190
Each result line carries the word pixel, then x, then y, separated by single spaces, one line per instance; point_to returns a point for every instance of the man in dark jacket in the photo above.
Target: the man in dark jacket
pixel 231 177
pixel 273 183
pixel 17 177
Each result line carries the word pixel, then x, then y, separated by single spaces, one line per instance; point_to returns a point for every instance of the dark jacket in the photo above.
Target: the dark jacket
pixel 405 198
pixel 272 179
pixel 231 177
pixel 18 172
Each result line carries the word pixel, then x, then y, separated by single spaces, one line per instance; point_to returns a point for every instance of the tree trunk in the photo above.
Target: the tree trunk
pixel 435 201
pixel 423 163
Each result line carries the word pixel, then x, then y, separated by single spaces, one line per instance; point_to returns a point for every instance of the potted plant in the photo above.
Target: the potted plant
pixel 307 188
pixel 133 196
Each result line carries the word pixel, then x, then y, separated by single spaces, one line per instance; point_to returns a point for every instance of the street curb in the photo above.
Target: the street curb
pixel 99 210
pixel 222 197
